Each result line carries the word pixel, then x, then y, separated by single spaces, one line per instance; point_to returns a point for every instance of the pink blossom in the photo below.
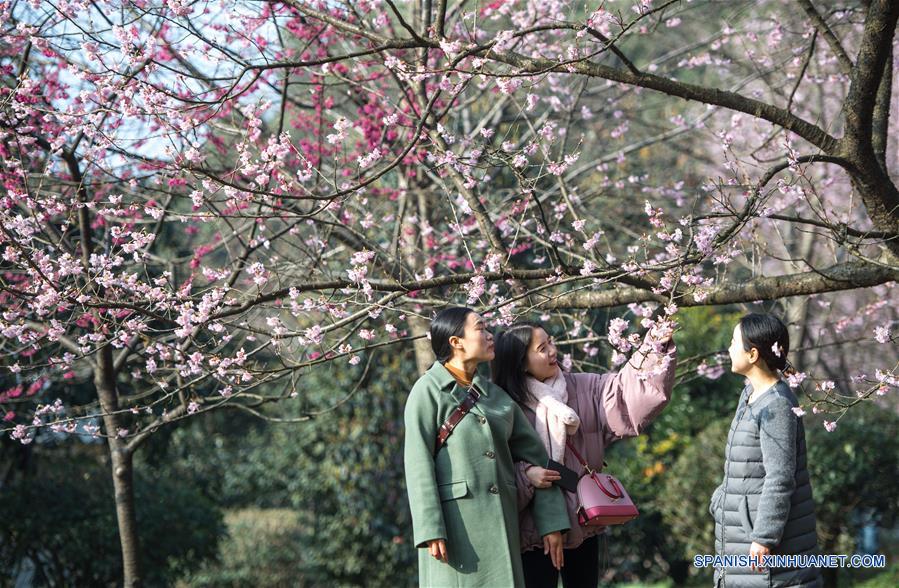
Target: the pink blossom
pixel 21 434
pixel 370 158
pixel 257 270
pixel 601 20
pixel 711 372
pixel 617 326
pixel 314 334
pixel 503 41
pixel 362 257
pixel 451 48
pixel 798 411
pixel 830 426
pixel 508 85
pixel 476 288
pixel 794 380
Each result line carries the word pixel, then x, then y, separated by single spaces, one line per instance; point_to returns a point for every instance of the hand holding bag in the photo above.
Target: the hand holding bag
pixel 602 500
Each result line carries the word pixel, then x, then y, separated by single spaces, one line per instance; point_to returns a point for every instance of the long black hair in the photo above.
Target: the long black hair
pixel 765 332
pixel 508 366
pixel 449 322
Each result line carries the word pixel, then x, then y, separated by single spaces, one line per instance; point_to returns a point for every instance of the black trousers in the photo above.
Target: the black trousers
pixel 580 569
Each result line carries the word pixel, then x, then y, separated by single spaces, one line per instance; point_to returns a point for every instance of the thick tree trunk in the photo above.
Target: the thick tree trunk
pixel 414 249
pixel 122 470
pixel 424 356
pixel 880 197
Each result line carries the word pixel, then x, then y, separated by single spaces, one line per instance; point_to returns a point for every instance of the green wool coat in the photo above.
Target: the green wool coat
pixel 466 494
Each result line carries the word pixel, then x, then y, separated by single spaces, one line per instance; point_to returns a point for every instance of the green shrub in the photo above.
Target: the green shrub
pixel 64 522
pixel 263 548
pixel 688 487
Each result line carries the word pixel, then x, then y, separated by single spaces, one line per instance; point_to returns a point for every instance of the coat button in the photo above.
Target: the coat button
pixel 483 420
pixel 494 490
pixel 490 454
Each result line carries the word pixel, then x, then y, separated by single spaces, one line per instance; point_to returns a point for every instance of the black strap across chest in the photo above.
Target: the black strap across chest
pixel 446 429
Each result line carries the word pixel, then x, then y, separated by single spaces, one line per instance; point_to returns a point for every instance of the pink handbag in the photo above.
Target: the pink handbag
pixel 602 500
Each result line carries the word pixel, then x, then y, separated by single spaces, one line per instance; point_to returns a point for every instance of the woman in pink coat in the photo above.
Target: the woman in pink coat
pixel 591 411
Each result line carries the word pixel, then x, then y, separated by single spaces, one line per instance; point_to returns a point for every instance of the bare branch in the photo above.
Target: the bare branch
pixel 846 65
pixel 731 100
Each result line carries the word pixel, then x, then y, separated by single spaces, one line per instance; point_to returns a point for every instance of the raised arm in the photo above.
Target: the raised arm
pixel 627 401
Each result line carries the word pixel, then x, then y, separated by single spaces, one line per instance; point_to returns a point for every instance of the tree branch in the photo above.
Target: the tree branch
pixel 839 277
pixel 441 18
pixel 881 122
pixel 730 100
pixel 829 36
pixel 876 46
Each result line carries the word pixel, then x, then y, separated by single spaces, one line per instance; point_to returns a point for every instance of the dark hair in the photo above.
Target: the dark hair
pixel 508 366
pixel 449 322
pixel 763 331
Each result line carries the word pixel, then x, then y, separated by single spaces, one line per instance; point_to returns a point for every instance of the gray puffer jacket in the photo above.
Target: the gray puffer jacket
pixel 766 495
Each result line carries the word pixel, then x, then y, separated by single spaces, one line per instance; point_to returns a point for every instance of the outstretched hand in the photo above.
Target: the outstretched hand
pixel 662 331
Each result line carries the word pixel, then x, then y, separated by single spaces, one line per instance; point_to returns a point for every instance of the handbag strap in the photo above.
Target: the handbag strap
pixel 446 429
pixel 577 455
pixel 580 459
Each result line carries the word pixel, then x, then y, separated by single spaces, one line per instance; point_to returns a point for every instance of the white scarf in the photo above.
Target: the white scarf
pixel 555 419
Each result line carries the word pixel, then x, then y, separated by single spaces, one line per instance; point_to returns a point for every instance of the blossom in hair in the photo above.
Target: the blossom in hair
pixel 777 349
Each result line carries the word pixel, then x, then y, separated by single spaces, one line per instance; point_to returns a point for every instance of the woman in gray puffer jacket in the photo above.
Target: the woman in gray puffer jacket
pixel 764 506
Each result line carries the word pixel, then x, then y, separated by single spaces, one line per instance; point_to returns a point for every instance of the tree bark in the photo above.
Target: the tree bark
pixel 107 393
pixel 122 469
pixel 415 251
pixel 424 356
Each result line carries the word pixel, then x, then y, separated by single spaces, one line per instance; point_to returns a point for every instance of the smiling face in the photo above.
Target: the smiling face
pixel 476 343
pixel 741 361
pixel 542 359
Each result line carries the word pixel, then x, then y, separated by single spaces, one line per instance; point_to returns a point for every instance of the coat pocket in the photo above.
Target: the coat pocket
pixel 744 516
pixel 452 490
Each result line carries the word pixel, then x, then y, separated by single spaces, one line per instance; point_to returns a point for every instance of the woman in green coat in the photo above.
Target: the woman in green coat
pixel 463 495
